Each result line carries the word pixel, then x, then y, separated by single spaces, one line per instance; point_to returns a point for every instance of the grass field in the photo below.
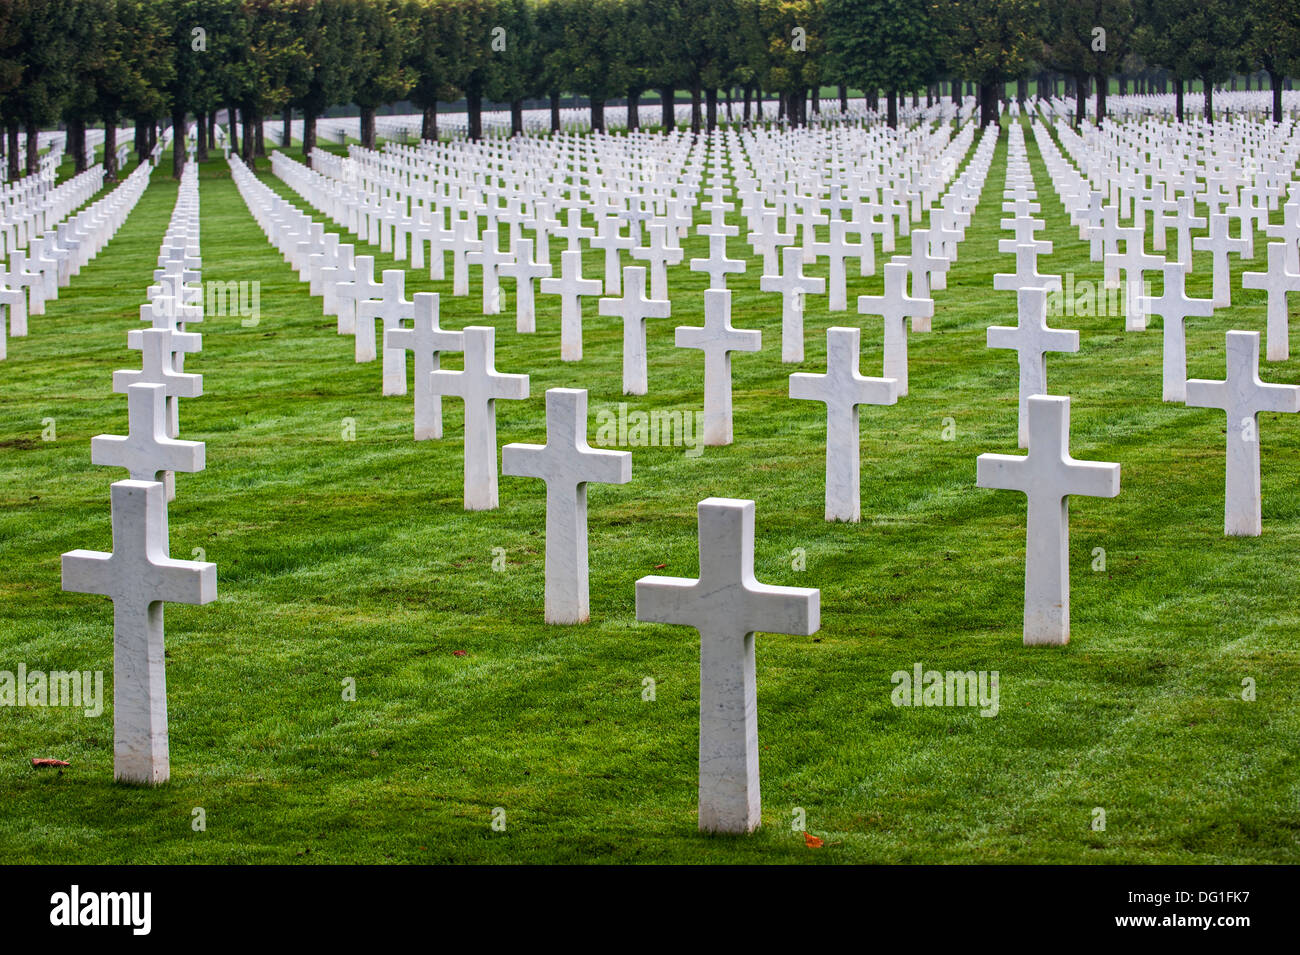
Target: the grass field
pixel 354 559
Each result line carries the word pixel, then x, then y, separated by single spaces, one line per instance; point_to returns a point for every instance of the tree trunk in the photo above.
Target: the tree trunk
pixel 891 105
pixel 201 136
pixel 746 113
pixel 1102 83
pixel 308 133
pixel 429 122
pixel 711 105
pixel 286 137
pixel 368 127
pixel 259 144
pixel 178 144
pixel 1209 101
pixel 474 105
pixel 232 129
pixel 1178 99
pixel 956 92
pixel 110 147
pixel 633 110
pixel 77 143
pixel 141 139
pixel 844 98
pixel 1080 96
pixel 667 115
pixel 695 108
pixel 33 144
pixel 1275 83
pixel 597 114
pixel 988 95
pixel 12 135
pixel 246 134
pixel 555 112
pixel 729 98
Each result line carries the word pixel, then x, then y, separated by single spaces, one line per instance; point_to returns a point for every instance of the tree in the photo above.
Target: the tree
pixel 1087 38
pixel 515 66
pixel 989 42
pixel 1273 42
pixel 381 70
pixel 1194 38
pixel 887 44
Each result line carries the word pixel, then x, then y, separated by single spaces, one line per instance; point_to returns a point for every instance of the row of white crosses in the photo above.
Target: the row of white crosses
pixel 139 574
pixel 29 279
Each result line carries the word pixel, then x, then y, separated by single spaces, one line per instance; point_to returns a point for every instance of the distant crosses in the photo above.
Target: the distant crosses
pixel 426 341
pixel 140 577
pixel 842 389
pixel 392 307
pixel 634 308
pixel 794 287
pixel 571 287
pixel 1219 243
pixel 1047 476
pixel 523 269
pixel 717 338
pixel 567 464
pixel 895 307
pixel 1242 395
pixel 726 604
pixel 1278 280
pixel 480 385
pixel 1031 339
pixel 1175 308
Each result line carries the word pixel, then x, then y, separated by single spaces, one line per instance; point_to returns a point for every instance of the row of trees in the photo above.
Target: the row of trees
pixel 84 61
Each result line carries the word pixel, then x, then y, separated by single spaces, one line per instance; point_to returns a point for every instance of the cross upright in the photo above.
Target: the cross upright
pixel 480 385
pixel 717 338
pixel 523 268
pixel 634 308
pixel 921 263
pixel 895 307
pixel 392 308
pixel 717 265
pixel 727 605
pixel 571 287
pixel 660 255
pixel 1278 280
pixel 567 464
pixel 794 287
pixel 1047 476
pixel 1031 339
pixel 359 288
pixel 610 238
pixel 1243 396
pixel 140 577
pixel 426 341
pixel 146 451
pixel 1219 243
pixel 1135 263
pixel 1026 274
pixel 574 231
pixel 843 388
pixel 837 248
pixel 491 258
pixel 1175 308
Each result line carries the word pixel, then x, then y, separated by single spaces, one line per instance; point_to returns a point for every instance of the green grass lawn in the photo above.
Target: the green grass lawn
pixel 354 559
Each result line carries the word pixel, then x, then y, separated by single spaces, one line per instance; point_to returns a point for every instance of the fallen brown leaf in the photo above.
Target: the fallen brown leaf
pixel 49 762
pixel 811 841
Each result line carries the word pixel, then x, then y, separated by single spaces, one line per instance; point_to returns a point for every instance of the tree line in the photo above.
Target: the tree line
pixel 146 62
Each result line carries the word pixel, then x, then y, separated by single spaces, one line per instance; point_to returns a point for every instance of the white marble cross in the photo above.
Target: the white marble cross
pixel 1026 274
pixel 1242 395
pixel 1135 262
pixel 392 308
pixel 1219 243
pixel 1031 339
pixel 567 464
pixel 1047 476
pixel 490 257
pixel 140 577
pixel 426 341
pixel 717 265
pixel 895 307
pixel 480 385
pixel 726 604
pixel 146 451
pixel 634 308
pixel 660 255
pixel 794 287
pixel 523 269
pixel 361 287
pixel 1175 308
pixel 610 238
pixel 843 388
pixel 717 338
pixel 571 287
pixel 1278 280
